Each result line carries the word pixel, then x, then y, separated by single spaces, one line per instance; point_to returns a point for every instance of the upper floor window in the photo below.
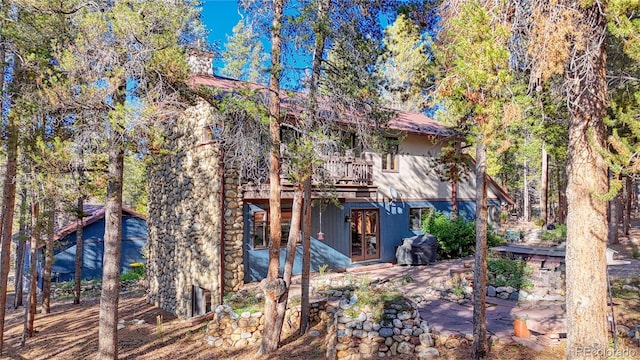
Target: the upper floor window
pixel 390 155
pixel 349 144
pixel 417 216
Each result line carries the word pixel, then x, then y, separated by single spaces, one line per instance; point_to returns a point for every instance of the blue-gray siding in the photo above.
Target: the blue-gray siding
pixel 134 238
pixel 334 250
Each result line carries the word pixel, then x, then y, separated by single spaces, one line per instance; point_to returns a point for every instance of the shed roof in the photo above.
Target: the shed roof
pixel 94 213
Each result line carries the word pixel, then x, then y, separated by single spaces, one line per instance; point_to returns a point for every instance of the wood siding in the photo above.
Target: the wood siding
pixel 416 179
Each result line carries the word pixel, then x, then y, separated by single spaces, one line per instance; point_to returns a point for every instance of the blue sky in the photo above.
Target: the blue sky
pixel 219 16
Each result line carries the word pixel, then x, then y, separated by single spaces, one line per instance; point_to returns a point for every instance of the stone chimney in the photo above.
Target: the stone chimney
pixel 200 62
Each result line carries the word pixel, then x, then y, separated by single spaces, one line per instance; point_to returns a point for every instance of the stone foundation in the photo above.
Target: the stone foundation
pixel 187 218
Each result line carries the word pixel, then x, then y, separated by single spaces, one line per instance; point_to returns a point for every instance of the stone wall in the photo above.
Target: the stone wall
pixel 547 277
pixel 233 233
pixel 200 62
pixel 349 334
pixel 548 280
pixel 230 330
pixel 360 335
pixel 185 225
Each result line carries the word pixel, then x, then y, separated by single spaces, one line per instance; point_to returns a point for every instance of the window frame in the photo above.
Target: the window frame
pixel 210 133
pixel 390 158
pixel 285 224
pixel 421 210
pixel 264 225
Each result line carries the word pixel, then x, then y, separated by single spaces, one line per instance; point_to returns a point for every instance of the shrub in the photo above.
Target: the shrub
pixel 137 271
pixel 456 238
pixel 538 222
pixel 250 301
pixel 559 234
pixel 505 271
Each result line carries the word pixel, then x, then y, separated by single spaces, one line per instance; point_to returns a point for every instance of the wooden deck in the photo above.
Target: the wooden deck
pixel 530 251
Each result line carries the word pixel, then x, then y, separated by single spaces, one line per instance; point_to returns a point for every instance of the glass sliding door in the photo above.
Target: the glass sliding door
pixel 365 239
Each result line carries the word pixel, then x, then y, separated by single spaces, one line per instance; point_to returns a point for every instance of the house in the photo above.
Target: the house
pixel 134 239
pixel 208 228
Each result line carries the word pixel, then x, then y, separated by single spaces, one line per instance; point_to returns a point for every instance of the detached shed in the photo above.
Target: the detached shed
pixel 134 239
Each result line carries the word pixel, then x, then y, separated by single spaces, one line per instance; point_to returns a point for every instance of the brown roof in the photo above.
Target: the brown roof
pixel 410 122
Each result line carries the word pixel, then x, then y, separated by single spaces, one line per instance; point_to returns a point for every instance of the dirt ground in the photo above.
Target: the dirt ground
pixel 71 332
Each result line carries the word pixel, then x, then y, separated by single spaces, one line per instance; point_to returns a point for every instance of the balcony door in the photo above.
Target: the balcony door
pixel 365 237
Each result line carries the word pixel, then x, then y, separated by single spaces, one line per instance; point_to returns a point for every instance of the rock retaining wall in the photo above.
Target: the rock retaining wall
pixel 228 329
pixel 360 335
pixel 351 333
pixel 548 278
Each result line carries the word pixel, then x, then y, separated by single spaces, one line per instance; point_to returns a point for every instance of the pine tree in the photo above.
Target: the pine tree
pixel 568 38
pixel 404 66
pixel 128 61
pixel 273 285
pixel 475 94
pixel 244 55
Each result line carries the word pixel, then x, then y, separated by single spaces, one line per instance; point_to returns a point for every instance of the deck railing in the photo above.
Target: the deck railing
pixel 345 170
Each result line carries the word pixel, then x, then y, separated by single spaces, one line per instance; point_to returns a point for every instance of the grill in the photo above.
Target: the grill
pixel 417 250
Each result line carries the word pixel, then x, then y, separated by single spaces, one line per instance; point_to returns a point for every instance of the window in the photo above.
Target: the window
pixel 288 135
pixel 260 229
pixel 417 216
pixel 390 155
pixel 349 144
pixel 210 133
pixel 201 300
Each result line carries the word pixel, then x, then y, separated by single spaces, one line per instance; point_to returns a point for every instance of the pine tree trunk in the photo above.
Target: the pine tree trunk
pixel 454 183
pixel 109 297
pixel 586 283
pixel 628 191
pixel 271 333
pixel 292 244
pixel 454 198
pixel 33 267
pixel 48 260
pixel 8 208
pixel 620 208
pixel 77 286
pixel 20 250
pixel 612 236
pixel 562 193
pixel 544 186
pixel 480 339
pixel 525 194
pixel 30 309
pixel 320 37
pixel 305 306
